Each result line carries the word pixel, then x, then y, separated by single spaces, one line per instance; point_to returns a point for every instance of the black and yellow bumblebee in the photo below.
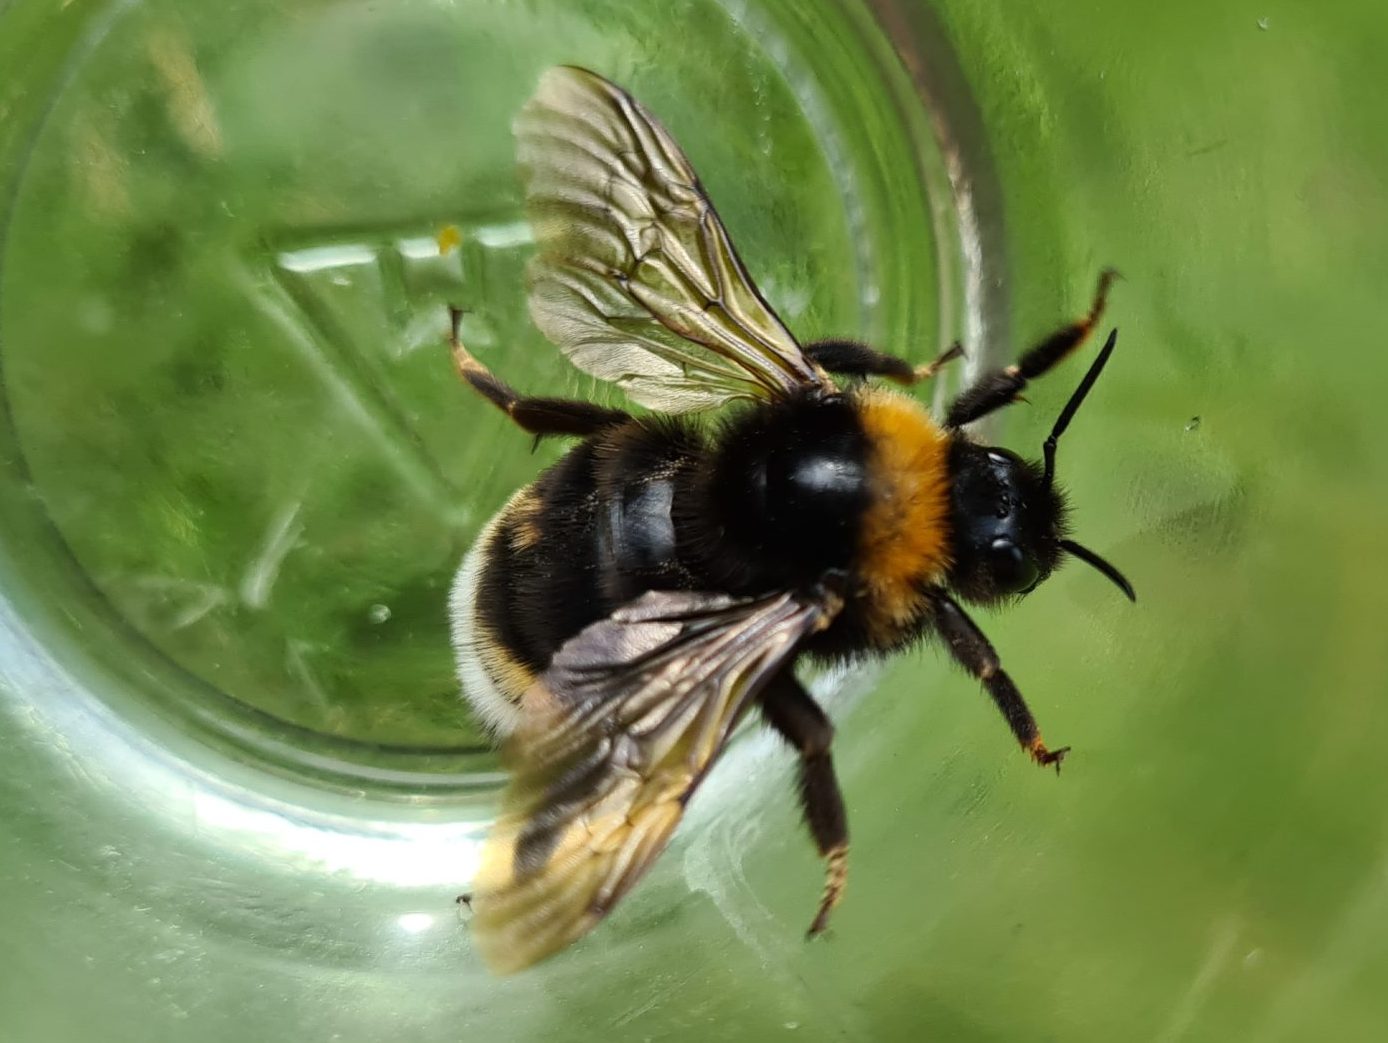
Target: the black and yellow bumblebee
pixel 622 613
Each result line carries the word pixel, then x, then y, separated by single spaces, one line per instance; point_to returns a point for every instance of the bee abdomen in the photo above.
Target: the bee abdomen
pixel 593 532
pixel 492 676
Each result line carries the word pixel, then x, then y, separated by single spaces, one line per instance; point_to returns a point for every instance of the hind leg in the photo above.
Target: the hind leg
pixel 795 715
pixel 539 416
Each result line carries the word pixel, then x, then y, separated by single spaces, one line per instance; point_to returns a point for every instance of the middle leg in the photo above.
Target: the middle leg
pixel 859 360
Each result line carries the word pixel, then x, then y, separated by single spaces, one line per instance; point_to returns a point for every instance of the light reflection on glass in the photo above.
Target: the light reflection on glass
pixel 415 923
pixel 298 829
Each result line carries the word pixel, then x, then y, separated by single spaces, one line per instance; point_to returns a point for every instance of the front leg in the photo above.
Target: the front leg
pixel 795 715
pixel 975 653
pixel 1001 387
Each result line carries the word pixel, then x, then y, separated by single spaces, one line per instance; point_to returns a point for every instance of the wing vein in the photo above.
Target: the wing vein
pixel 615 737
pixel 668 311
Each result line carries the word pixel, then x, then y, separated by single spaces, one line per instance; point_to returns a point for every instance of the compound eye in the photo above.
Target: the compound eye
pixel 1011 569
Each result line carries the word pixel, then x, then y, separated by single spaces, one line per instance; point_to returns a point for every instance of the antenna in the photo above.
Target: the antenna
pixel 1048 453
pixel 1072 407
pixel 1090 558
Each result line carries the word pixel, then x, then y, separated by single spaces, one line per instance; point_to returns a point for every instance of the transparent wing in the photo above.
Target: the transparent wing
pixel 616 735
pixel 636 280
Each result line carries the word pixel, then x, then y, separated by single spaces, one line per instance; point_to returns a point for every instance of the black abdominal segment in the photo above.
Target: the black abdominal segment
pixel 587 539
pixel 770 503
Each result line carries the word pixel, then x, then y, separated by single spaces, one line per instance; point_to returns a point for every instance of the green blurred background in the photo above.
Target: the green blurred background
pixel 237 788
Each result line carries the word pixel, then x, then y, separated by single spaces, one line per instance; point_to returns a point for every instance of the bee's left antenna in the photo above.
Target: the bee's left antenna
pixel 1072 407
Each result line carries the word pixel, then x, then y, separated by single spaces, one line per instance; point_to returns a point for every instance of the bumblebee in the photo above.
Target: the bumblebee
pixel 621 615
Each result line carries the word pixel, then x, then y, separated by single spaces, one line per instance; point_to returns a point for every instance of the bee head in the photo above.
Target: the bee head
pixel 1009 518
pixel 1008 523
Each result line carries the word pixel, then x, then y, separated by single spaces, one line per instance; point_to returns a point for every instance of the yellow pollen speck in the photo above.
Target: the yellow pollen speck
pixel 449 239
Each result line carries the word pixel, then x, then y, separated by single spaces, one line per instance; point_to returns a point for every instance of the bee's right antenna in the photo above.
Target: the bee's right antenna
pixel 1072 407
pixel 1090 558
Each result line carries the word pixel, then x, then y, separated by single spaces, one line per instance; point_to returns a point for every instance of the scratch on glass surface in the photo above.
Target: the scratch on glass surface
pixel 1192 1000
pixel 193 599
pixel 189 104
pixel 264 569
pixel 296 660
pixel 653 1000
pixel 100 170
pixel 713 861
pixel 1354 934
pixel 721 878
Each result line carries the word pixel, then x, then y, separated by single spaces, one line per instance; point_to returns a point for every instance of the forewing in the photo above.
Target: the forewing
pixel 636 280
pixel 616 735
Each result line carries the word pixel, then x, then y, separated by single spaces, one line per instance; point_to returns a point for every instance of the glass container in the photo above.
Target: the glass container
pixel 238 791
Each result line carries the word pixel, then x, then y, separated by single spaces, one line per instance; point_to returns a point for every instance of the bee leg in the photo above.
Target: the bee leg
pixel 539 416
pixel 859 360
pixel 790 710
pixel 974 653
pixel 1001 387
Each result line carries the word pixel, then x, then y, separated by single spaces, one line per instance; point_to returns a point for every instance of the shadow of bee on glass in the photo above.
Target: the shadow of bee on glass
pixel 621 614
